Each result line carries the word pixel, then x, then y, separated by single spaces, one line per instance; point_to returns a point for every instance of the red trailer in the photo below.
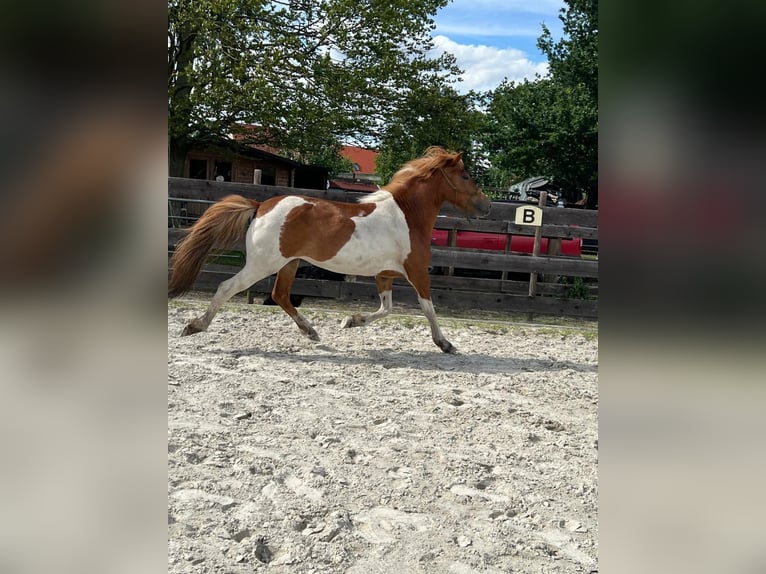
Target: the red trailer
pixel 496 242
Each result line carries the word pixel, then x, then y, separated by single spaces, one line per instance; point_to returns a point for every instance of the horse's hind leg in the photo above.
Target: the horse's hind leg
pixel 385 285
pixel 281 295
pixel 226 290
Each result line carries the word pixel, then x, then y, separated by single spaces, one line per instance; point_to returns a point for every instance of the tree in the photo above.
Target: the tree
pixel 306 71
pixel 573 60
pixel 327 156
pixel 550 126
pixel 433 114
pixel 543 128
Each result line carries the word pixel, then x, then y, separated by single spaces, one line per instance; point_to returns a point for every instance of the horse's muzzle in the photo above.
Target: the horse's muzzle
pixel 481 206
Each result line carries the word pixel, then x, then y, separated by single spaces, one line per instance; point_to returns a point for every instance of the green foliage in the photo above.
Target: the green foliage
pixel 543 128
pixel 578 288
pixel 330 158
pixel 573 60
pixel 493 178
pixel 431 114
pixel 307 72
pixel 327 156
pixel 233 258
pixel 550 126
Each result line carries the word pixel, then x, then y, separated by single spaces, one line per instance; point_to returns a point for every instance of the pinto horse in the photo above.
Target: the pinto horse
pixel 387 234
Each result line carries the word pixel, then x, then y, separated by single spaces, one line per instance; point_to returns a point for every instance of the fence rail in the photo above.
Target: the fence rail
pixel 496 280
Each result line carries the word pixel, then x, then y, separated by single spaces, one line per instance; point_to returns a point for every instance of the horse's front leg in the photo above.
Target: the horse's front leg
pixel 421 281
pixel 385 290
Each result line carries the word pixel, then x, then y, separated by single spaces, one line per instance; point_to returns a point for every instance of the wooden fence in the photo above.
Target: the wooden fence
pixel 464 278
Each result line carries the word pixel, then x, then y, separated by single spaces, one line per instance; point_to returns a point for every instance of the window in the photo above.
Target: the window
pixel 198 168
pixel 222 169
pixel 268 176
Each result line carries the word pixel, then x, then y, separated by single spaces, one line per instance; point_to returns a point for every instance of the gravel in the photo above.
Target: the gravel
pixel 374 452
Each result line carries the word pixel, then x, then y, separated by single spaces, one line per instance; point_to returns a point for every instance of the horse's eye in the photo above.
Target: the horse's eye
pixel 465 175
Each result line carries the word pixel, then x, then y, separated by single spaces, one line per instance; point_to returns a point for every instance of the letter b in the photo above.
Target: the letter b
pixel 528 216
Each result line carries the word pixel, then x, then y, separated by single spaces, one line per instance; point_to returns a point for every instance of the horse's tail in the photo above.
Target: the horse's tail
pixel 222 225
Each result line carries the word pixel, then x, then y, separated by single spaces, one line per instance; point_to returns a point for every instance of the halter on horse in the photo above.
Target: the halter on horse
pixel 387 234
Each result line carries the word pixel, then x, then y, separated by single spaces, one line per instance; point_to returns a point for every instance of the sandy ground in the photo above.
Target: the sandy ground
pixel 373 452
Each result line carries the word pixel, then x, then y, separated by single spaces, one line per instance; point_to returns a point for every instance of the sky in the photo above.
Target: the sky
pixel 496 39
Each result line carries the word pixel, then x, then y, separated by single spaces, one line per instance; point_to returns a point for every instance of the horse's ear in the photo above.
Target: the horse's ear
pixel 457 158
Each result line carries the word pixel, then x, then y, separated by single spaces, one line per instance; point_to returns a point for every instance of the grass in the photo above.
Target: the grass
pixel 233 258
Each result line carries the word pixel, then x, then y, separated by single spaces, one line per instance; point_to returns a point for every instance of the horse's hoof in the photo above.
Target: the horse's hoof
pixel 353 321
pixel 447 347
pixel 190 329
pixel 312 334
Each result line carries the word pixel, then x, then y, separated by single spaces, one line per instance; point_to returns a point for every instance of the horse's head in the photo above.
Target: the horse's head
pixel 446 178
pixel 463 192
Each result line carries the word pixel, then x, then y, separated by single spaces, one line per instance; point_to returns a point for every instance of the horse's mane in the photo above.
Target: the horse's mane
pixel 423 167
pixel 420 168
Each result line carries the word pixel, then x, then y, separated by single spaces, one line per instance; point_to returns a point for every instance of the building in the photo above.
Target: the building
pixel 363 163
pixel 229 160
pixel 362 177
pixel 232 161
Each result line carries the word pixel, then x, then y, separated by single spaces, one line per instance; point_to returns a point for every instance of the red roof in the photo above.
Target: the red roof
pixel 364 158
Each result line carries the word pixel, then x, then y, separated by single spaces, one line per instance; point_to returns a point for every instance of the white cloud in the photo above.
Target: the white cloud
pixel 485 67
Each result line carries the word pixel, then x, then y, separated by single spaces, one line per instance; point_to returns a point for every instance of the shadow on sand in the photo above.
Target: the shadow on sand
pixel 475 363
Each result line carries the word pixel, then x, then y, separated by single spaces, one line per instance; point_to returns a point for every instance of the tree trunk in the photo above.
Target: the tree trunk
pixel 177 150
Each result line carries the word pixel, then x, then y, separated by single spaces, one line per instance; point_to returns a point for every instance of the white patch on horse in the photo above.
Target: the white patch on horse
pixel 263 237
pixel 375 197
pixel 381 241
pixel 436 333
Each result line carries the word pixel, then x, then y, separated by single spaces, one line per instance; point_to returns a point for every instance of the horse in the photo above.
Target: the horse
pixel 386 234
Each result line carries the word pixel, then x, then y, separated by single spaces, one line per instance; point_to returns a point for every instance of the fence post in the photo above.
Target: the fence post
pixel 451 242
pixel 508 239
pixel 536 247
pixel 554 250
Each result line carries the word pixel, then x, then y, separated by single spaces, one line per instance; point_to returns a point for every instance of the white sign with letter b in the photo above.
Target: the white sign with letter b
pixel 529 215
